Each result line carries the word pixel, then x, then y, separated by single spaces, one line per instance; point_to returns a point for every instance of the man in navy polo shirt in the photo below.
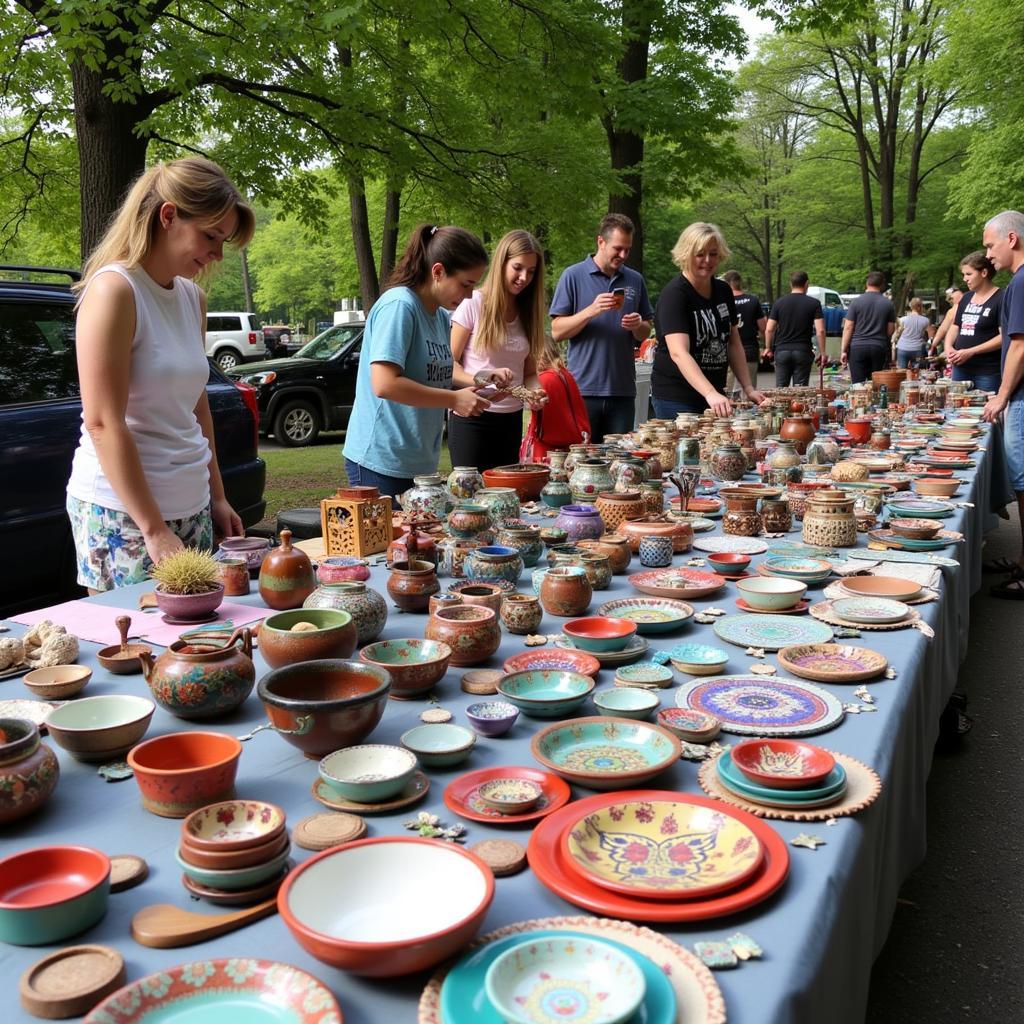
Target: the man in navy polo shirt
pixel 602 307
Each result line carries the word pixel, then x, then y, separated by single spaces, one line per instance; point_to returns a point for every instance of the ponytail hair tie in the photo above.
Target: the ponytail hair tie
pixel 433 231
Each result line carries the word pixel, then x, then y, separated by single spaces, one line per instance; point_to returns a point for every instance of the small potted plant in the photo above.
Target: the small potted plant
pixel 188 585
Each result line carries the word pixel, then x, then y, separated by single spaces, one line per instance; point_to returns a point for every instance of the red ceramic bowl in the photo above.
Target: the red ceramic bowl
pixel 528 479
pixel 859 429
pixel 387 906
pixel 728 562
pixel 181 772
pixel 783 764
pixel 600 633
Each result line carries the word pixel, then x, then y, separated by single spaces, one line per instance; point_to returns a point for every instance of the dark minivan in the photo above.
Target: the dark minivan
pixel 40 422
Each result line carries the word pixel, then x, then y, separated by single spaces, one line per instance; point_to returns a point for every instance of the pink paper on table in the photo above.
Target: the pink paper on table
pixel 96 622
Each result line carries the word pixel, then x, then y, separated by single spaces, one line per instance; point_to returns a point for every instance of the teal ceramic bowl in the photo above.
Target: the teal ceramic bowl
pixel 237 878
pixel 627 702
pixel 368 774
pixel 440 745
pixel 697 659
pixel 51 892
pixel 546 693
pixel 415 665
pixel 100 728
pixel 599 634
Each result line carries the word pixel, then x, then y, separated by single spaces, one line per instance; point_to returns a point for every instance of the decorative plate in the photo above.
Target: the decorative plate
pixel 791 565
pixel 870 610
pixel 759 706
pixel 780 798
pixel 798 609
pixel 553 660
pixel 685 584
pixel 548 863
pixel 34 710
pixel 811 581
pixel 832 663
pixel 462 795
pixel 661 849
pixel 894 587
pixel 948 463
pixel 771 632
pixel 698 997
pixel 647 673
pixel 234 989
pixel 651 614
pixel 737 545
pixel 832 786
pixel 943 539
pixel 416 790
pixel 686 657
pixel 636 648
pixel 911 557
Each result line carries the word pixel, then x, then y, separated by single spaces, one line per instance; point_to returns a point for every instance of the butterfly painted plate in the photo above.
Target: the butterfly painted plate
pixel 733 545
pixel 772 632
pixel 462 795
pixel 662 850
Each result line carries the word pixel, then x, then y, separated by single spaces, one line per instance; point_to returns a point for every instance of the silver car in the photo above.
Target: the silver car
pixel 233 338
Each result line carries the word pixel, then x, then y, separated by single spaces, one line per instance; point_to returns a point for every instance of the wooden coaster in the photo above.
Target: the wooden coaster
pixel 481 682
pixel 502 856
pixel 322 831
pixel 70 982
pixel 127 871
pixel 435 716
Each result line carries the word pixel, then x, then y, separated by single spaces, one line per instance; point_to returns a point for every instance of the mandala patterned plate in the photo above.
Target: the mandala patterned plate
pixel 553 659
pixel 735 545
pixel 870 610
pixel 832 663
pixel 771 632
pixel 758 706
pixel 651 614
pixel 661 849
pixel 685 584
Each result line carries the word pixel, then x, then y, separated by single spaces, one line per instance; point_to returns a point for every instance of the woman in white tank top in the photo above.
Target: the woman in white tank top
pixel 145 480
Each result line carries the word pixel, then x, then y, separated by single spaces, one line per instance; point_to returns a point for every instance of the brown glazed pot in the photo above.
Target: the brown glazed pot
pixel 565 591
pixel 799 430
pixel 521 613
pixel 615 546
pixel 28 769
pixel 335 636
pixel 470 631
pixel 483 595
pixel 616 508
pixel 286 576
pixel 681 533
pixel 411 584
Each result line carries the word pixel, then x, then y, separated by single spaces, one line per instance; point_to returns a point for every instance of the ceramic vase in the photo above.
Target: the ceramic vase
pixel 652 492
pixel 501 502
pixel 727 462
pixel 598 569
pixel 556 493
pixel 784 455
pixel 565 591
pixel 823 451
pixel 589 478
pixel 616 508
pixel 411 584
pixel 427 496
pixel 286 576
pixel 28 769
pixel 470 631
pixel 467 520
pixel 367 608
pixel 580 522
pixel 799 429
pixel 829 520
pixel 655 552
pixel 654 461
pixel 617 549
pixel 556 460
pixel 525 538
pixel 688 451
pixel 521 613
pixel 494 562
pixel 464 482
pixel 234 576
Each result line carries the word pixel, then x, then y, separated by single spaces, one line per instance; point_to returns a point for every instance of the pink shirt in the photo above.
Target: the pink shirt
pixel 512 356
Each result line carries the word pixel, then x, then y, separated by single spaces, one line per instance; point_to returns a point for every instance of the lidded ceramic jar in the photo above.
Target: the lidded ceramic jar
pixel 521 613
pixel 615 546
pixel 366 607
pixel 580 522
pixel 590 477
pixel 286 576
pixel 501 502
pixel 494 562
pixel 464 482
pixel 829 520
pixel 727 462
pixel 471 631
pixel 565 591
pixel 524 538
pixel 615 508
pixel 28 769
pixel 427 496
pixel 411 584
pixel 468 519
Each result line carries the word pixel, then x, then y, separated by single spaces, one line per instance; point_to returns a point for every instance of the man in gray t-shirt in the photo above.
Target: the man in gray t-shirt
pixel 869 324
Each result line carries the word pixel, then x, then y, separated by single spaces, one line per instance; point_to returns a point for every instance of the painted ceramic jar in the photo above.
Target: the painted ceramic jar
pixel 452 554
pixel 556 460
pixel 741 518
pixel 655 552
pixel 628 472
pixel 556 493
pixel 652 492
pixel 464 482
pixel 501 502
pixel 598 569
pixel 494 562
pixel 427 496
pixel 252 549
pixel 580 522
pixel 194 680
pixel 411 584
pixel 468 519
pixel 28 769
pixel 727 462
pixel 881 440
pixel 616 508
pixel 366 607
pixel 286 576
pixel 484 595
pixel 521 613
pixel 680 533
pixel 525 538
pixel 470 631
pixel 589 478
pixel 653 460
pixel 776 516
pixel 565 591
pixel 234 576
pixel 799 429
pixel 342 569
pixel 615 547
pixel 784 455
pixel 688 451
pixel 824 450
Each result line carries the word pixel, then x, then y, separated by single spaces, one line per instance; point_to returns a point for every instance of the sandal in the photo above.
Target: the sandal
pixel 1010 589
pixel 1000 565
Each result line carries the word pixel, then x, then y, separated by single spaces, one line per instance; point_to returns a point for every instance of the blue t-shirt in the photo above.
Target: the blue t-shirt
pixel 385 436
pixel 1011 321
pixel 601 355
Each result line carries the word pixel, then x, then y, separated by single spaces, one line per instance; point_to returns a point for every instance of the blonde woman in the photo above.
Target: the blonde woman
pixel 696 326
pixel 499 333
pixel 144 479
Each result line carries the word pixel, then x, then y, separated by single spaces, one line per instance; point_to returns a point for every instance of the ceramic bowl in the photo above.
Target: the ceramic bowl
pixel 689 725
pixel 644 673
pixel 541 980
pixel 439 745
pixel 485 595
pixel 334 636
pixel 492 717
pixel 100 728
pixel 546 694
pixel 599 634
pixel 626 702
pixel 605 753
pixel 552 535
pixel 322 706
pixel 931 488
pixel 230 860
pixel 728 563
pixel 557 658
pixel 58 682
pixel 387 906
pixel 528 479
pixel 51 892
pixel 510 795
pixel 368 774
pixel 238 878
pixel 698 659
pixel 771 593
pixel 183 771
pixel 808 570
pixel 915 529
pixel 189 607
pixel 415 665
pixel 892 587
pixel 783 764
pixel 651 614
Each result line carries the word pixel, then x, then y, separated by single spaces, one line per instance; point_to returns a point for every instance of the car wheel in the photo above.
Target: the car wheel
pixel 297 423
pixel 227 360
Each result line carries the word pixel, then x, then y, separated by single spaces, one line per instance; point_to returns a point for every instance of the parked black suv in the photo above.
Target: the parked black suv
pixel 309 392
pixel 40 423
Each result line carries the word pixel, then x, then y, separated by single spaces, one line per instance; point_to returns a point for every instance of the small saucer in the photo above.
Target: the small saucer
pixel 798 609
pixel 223 898
pixel 172 621
pixel 415 790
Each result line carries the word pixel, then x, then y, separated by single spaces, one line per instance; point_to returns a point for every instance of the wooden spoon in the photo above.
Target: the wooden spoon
pixel 164 926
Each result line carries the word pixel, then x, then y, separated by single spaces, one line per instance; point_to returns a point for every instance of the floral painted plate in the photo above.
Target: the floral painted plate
pixel 772 632
pixel 870 610
pixel 553 660
pixel 685 584
pixel 832 663
pixel 661 849
pixel 462 795
pixel 735 545
pixel 651 614
pixel 758 706
pixel 215 991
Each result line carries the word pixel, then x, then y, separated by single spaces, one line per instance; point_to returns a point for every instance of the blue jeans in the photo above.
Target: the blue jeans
pixel 982 381
pixel 908 359
pixel 609 415
pixel 360 476
pixel 1013 441
pixel 667 408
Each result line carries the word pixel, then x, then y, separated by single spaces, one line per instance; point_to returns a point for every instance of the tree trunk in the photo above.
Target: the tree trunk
pixel 389 240
pixel 246 282
pixel 369 285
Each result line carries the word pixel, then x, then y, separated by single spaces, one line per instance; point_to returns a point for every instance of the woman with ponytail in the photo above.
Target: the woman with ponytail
pixel 144 479
pixel 405 375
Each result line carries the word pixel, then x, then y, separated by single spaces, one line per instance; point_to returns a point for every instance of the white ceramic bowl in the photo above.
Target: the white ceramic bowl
pixel 771 593
pixel 369 773
pixel 439 745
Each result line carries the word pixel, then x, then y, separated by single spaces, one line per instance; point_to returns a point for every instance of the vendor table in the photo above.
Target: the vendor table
pixel 820 932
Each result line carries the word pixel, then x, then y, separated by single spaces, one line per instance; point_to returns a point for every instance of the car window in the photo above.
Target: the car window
pixel 832 299
pixel 323 346
pixel 254 324
pixel 223 323
pixel 37 354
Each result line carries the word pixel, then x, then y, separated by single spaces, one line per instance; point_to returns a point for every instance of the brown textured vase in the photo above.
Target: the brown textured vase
pixel 615 546
pixel 472 632
pixel 654 526
pixel 286 576
pixel 566 591
pixel 618 507
pixel 411 584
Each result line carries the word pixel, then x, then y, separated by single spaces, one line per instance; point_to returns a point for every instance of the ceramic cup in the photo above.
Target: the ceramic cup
pixel 655 552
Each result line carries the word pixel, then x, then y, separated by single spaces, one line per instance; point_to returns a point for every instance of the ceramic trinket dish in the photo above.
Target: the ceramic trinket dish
pixel 541 693
pixel 441 745
pixel 415 666
pixel 697 659
pixel 492 717
pixel 286 576
pixel 367 774
pixel 510 795
pixel 102 728
pixel 690 726
pixel 28 769
pixel 626 702
pixel 783 764
pixel 644 674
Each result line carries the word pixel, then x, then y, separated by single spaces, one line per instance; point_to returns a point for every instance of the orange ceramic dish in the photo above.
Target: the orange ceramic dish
pixel 783 764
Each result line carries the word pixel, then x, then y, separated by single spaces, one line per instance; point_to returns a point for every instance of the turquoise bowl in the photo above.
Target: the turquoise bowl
pixel 236 878
pixel 369 773
pixel 439 745
pixel 695 659
pixel 51 892
pixel 546 693
pixel 834 784
pixel 627 702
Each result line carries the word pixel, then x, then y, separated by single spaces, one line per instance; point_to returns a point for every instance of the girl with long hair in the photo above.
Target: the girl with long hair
pixel 974 342
pixel 497 335
pixel 144 479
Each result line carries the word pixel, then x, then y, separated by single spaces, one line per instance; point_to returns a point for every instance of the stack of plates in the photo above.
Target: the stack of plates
pixel 919 508
pixel 829 788
pixel 807 570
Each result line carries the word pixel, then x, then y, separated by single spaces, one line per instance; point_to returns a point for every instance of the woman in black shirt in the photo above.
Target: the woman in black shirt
pixel 974 342
pixel 698 340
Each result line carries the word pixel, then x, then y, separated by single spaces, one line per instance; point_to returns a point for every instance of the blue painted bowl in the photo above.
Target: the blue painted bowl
pixel 492 717
pixel 238 878
pixel 439 745
pixel 627 702
pixel 543 693
pixel 696 659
